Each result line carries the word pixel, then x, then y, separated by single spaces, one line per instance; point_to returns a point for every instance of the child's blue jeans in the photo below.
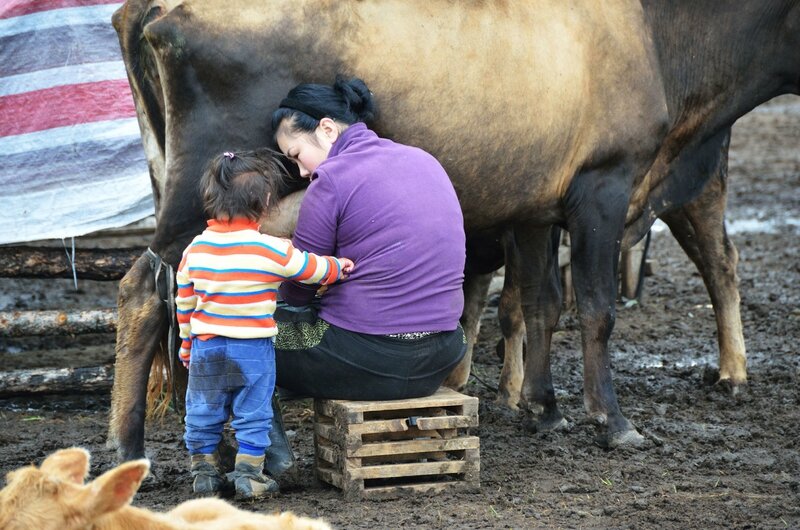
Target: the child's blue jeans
pixel 230 377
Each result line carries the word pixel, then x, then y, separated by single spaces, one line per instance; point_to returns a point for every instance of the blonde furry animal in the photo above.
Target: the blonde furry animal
pixel 54 497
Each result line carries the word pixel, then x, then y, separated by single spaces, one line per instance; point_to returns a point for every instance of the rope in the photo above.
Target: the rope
pixel 642 264
pixel 71 259
pixel 166 291
pixel 481 381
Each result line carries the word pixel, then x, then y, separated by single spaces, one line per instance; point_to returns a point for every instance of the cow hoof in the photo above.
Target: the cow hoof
pixel 508 402
pixel 550 423
pixel 629 438
pixel 730 387
pixel 127 456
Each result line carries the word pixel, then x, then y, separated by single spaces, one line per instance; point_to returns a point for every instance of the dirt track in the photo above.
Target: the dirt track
pixel 712 461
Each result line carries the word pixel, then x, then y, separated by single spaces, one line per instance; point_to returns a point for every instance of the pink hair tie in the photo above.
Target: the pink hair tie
pixel 229 154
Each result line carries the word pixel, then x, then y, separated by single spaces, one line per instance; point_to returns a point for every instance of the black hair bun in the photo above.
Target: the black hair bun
pixel 357 96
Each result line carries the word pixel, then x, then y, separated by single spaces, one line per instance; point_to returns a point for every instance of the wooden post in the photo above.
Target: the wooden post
pixel 44 262
pixel 26 323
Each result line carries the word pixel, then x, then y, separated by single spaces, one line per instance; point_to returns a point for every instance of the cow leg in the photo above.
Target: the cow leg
pixel 699 228
pixel 476 288
pixel 540 292
pixel 596 205
pixel 512 326
pixel 141 327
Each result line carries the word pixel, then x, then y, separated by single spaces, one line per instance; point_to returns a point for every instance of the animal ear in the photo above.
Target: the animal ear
pixel 71 465
pixel 116 488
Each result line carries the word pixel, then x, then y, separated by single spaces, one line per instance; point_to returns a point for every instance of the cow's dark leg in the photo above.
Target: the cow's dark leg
pixel 512 325
pixel 700 229
pixel 596 204
pixel 540 291
pixel 476 287
pixel 141 327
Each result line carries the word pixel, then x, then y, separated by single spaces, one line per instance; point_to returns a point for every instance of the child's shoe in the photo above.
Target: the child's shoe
pixel 249 479
pixel 208 479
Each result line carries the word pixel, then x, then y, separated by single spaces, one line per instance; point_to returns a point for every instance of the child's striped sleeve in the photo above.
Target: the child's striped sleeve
pixel 185 303
pixel 310 268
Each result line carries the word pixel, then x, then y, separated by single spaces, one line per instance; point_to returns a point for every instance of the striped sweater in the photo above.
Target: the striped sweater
pixel 228 281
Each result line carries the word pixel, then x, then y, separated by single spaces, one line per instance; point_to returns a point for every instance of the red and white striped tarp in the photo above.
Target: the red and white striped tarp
pixel 71 158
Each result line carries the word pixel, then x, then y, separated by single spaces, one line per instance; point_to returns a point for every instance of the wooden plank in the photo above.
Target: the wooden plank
pixel 443 397
pixel 444 422
pixel 404 470
pixel 378 431
pixel 389 492
pixel 416 411
pixel 330 476
pixel 472 467
pixel 338 413
pixel 410 458
pixel 470 408
pixel 405 424
pixel 328 430
pixel 337 437
pixel 416 446
pixel 412 433
pixel 326 453
pixel 370 427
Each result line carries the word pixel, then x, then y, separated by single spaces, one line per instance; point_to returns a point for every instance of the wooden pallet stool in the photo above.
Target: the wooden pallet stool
pixel 382 449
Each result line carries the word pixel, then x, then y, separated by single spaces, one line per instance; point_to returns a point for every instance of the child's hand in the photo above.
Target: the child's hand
pixel 184 356
pixel 347 267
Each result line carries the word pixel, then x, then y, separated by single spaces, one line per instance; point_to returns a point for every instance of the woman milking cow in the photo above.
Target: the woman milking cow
pixel 387 325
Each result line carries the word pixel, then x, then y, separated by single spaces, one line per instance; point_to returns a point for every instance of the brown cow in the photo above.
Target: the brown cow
pixel 589 116
pixel 54 497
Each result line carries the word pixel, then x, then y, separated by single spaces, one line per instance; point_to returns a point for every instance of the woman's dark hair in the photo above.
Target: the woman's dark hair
pixel 347 101
pixel 242 184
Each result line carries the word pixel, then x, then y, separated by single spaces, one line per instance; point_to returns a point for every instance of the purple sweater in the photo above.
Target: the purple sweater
pixel 391 209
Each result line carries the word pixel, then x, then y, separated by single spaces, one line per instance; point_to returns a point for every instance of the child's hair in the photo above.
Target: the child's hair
pixel 242 184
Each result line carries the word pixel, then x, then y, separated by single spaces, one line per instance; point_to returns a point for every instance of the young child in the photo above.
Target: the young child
pixel 227 285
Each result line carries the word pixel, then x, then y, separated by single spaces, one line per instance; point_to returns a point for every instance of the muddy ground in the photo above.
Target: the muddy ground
pixel 712 461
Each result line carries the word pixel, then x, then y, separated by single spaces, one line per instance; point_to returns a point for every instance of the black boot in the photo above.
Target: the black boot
pixel 279 456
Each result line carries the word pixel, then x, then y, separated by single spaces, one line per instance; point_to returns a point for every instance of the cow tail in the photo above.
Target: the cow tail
pixel 160 387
